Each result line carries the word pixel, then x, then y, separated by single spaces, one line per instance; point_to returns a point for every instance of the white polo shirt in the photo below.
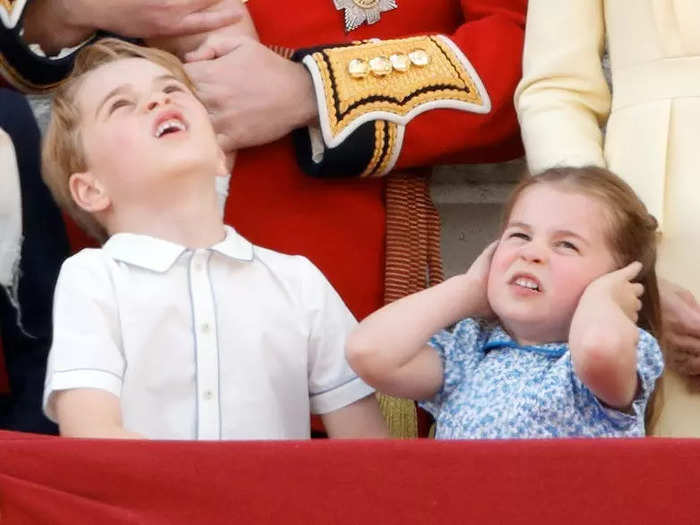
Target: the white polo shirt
pixel 230 342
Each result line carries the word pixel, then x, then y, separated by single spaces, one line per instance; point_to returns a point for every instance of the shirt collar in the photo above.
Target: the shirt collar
pixel 159 255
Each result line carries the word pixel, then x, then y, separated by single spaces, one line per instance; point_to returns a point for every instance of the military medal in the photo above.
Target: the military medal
pixel 357 12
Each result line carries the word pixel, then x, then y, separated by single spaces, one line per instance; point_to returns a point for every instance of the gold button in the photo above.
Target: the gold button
pixel 419 58
pixel 400 62
pixel 380 66
pixel 358 68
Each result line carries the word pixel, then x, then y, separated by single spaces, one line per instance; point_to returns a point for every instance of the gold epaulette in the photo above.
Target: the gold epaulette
pixel 392 81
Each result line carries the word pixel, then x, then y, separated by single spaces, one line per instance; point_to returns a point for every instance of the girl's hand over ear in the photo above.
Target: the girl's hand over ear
pixel 476 283
pixel 603 336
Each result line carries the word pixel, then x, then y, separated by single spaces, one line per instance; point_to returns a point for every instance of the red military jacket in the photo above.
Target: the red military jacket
pixel 400 121
pixel 340 223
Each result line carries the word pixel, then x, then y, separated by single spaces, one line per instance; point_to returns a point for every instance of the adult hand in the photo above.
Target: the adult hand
pixel 62 23
pixel 204 45
pixel 681 319
pixel 254 96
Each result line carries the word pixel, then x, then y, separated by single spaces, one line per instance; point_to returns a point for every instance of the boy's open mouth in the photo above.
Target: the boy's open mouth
pixel 529 282
pixel 168 123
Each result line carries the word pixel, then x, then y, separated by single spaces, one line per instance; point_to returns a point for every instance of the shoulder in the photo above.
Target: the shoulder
pixel 93 260
pixel 289 268
pixel 87 269
pixel 465 335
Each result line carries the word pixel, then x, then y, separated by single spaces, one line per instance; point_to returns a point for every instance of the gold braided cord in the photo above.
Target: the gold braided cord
pixel 413 263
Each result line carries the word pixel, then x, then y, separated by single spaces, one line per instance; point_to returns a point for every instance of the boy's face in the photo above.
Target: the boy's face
pixel 553 247
pixel 142 128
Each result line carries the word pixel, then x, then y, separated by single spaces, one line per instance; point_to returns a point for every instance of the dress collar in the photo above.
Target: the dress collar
pixel 159 255
pixel 499 338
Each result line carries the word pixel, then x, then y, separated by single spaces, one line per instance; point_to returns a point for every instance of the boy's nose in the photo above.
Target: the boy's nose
pixel 157 100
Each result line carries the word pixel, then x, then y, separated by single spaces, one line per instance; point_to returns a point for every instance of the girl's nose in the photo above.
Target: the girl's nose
pixel 533 252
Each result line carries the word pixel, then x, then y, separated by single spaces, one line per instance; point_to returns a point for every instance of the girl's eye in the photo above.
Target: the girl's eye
pixel 568 245
pixel 171 88
pixel 119 103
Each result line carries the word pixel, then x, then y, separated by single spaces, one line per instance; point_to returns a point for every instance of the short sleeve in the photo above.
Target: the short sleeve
pixel 86 348
pixel 332 383
pixel 457 351
pixel 650 365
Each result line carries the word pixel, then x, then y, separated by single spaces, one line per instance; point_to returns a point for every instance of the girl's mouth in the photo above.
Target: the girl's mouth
pixel 528 282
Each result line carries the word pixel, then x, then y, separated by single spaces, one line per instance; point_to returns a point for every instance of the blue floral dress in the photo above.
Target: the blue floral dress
pixel 495 388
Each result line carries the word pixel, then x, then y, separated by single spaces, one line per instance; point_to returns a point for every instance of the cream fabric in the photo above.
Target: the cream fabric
pixel 652 138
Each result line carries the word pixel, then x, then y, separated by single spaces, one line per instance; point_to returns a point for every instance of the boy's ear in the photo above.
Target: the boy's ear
pixel 88 192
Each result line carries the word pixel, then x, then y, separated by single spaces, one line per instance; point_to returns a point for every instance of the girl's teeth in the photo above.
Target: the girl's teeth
pixel 527 283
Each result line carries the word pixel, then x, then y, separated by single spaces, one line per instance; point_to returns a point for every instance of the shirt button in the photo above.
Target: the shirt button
pixel 198 266
pixel 208 395
pixel 205 328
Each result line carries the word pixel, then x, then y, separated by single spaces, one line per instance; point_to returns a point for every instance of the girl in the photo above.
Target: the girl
pixel 546 342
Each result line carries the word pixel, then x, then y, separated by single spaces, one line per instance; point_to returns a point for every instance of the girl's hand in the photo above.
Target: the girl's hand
pixel 476 279
pixel 617 290
pixel 603 336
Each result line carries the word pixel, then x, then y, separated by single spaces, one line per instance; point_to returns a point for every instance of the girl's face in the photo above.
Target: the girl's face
pixel 554 245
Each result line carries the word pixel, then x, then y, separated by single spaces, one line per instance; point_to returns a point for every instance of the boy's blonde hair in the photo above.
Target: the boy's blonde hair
pixel 63 153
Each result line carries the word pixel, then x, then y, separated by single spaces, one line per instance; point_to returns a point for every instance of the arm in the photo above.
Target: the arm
pixel 482 122
pixel 603 336
pixel 66 23
pixel 88 412
pixel 86 364
pixel 361 419
pixel 389 348
pixel 205 44
pixel 55 25
pixel 563 98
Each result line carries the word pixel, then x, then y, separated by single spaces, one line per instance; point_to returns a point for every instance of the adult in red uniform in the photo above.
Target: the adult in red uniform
pixel 340 224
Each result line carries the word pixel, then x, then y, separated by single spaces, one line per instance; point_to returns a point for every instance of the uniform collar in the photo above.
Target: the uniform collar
pixel 499 338
pixel 159 255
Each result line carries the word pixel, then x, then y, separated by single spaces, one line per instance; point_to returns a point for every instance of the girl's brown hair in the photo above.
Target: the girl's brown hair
pixel 632 230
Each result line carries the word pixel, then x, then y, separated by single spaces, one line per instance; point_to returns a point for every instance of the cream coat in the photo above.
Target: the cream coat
pixel 652 137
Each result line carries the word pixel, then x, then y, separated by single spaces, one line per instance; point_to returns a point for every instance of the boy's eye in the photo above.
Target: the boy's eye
pixel 519 235
pixel 172 88
pixel 119 103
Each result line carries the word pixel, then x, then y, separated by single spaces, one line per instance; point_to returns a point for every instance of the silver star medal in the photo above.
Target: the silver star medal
pixel 357 12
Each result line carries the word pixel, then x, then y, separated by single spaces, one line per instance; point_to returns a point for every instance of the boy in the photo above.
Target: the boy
pixel 178 327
